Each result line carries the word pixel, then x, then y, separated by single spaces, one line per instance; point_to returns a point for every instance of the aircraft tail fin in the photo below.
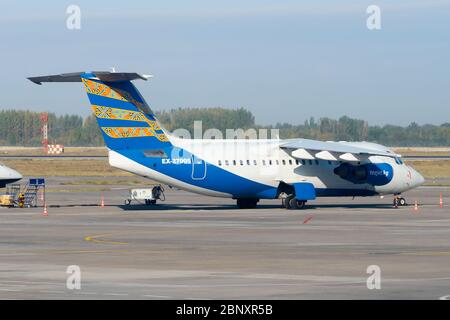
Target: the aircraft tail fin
pixel 125 119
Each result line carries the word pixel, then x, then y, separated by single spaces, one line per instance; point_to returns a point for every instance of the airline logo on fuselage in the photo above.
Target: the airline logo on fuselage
pixel 377 173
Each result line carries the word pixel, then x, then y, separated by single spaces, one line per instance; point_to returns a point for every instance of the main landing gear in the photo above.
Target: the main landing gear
pixel 290 202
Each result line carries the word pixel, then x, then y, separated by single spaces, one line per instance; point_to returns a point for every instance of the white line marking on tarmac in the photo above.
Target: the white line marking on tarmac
pixel 116 294
pixel 12 290
pixel 52 291
pixel 87 293
pixel 28 282
pixel 155 296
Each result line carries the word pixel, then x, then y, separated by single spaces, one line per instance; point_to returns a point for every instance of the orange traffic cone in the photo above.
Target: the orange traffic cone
pixel 102 203
pixel 45 213
pixel 416 206
pixel 441 202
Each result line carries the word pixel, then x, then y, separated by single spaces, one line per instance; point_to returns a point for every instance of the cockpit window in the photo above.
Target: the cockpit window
pixel 398 161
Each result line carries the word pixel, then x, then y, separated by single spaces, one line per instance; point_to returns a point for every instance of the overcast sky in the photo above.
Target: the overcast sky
pixel 284 60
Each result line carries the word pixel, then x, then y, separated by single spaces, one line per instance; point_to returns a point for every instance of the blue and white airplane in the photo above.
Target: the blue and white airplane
pixel 8 175
pixel 294 170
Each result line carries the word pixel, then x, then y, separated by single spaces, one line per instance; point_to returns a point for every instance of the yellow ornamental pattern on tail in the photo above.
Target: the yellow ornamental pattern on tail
pixel 121 114
pixel 118 114
pixel 128 132
pixel 101 89
pixel 162 137
pixel 103 112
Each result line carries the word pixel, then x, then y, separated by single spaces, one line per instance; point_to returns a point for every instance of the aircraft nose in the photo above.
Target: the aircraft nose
pixel 13 174
pixel 418 179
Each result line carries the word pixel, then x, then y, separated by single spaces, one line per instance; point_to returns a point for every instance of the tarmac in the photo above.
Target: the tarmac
pixel 196 247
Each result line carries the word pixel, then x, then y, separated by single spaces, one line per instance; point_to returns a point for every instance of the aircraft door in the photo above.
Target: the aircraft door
pixel 198 168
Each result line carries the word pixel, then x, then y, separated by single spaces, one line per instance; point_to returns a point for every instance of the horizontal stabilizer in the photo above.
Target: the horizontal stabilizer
pixel 105 76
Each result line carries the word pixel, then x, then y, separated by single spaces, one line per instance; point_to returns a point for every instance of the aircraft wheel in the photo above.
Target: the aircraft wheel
pixel 293 203
pixel 301 204
pixel 287 201
pixel 296 204
pixel 401 202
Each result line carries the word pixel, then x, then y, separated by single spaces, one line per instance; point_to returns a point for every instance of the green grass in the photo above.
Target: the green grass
pixel 104 182
pixel 432 169
pixel 64 167
pixel 75 190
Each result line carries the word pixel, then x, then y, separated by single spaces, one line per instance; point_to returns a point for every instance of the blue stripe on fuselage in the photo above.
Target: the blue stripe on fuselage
pixel 216 179
pixel 220 180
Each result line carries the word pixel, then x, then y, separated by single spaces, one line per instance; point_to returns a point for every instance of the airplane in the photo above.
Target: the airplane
pixel 246 170
pixel 8 175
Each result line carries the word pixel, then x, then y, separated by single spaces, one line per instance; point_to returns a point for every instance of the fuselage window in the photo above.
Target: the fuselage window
pixel 303 162
pixel 255 163
pixel 310 162
pixel 234 162
pixel 296 162
pixel 270 162
pixel 277 162
pixel 248 162
pixel 284 162
pixel 317 162
pixel 226 162
pixel 264 162
pixel 329 162
pixel 220 162
pixel 241 162
pixel 290 161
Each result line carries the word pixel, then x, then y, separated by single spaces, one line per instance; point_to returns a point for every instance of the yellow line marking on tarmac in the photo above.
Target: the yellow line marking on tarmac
pixel 95 238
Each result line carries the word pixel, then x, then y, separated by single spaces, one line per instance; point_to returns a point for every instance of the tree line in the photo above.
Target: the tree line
pixel 23 128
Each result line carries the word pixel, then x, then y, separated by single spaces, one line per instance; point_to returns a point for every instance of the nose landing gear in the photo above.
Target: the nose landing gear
pixel 399 202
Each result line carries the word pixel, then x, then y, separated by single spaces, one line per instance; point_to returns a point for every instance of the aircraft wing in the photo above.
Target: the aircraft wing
pixel 330 150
